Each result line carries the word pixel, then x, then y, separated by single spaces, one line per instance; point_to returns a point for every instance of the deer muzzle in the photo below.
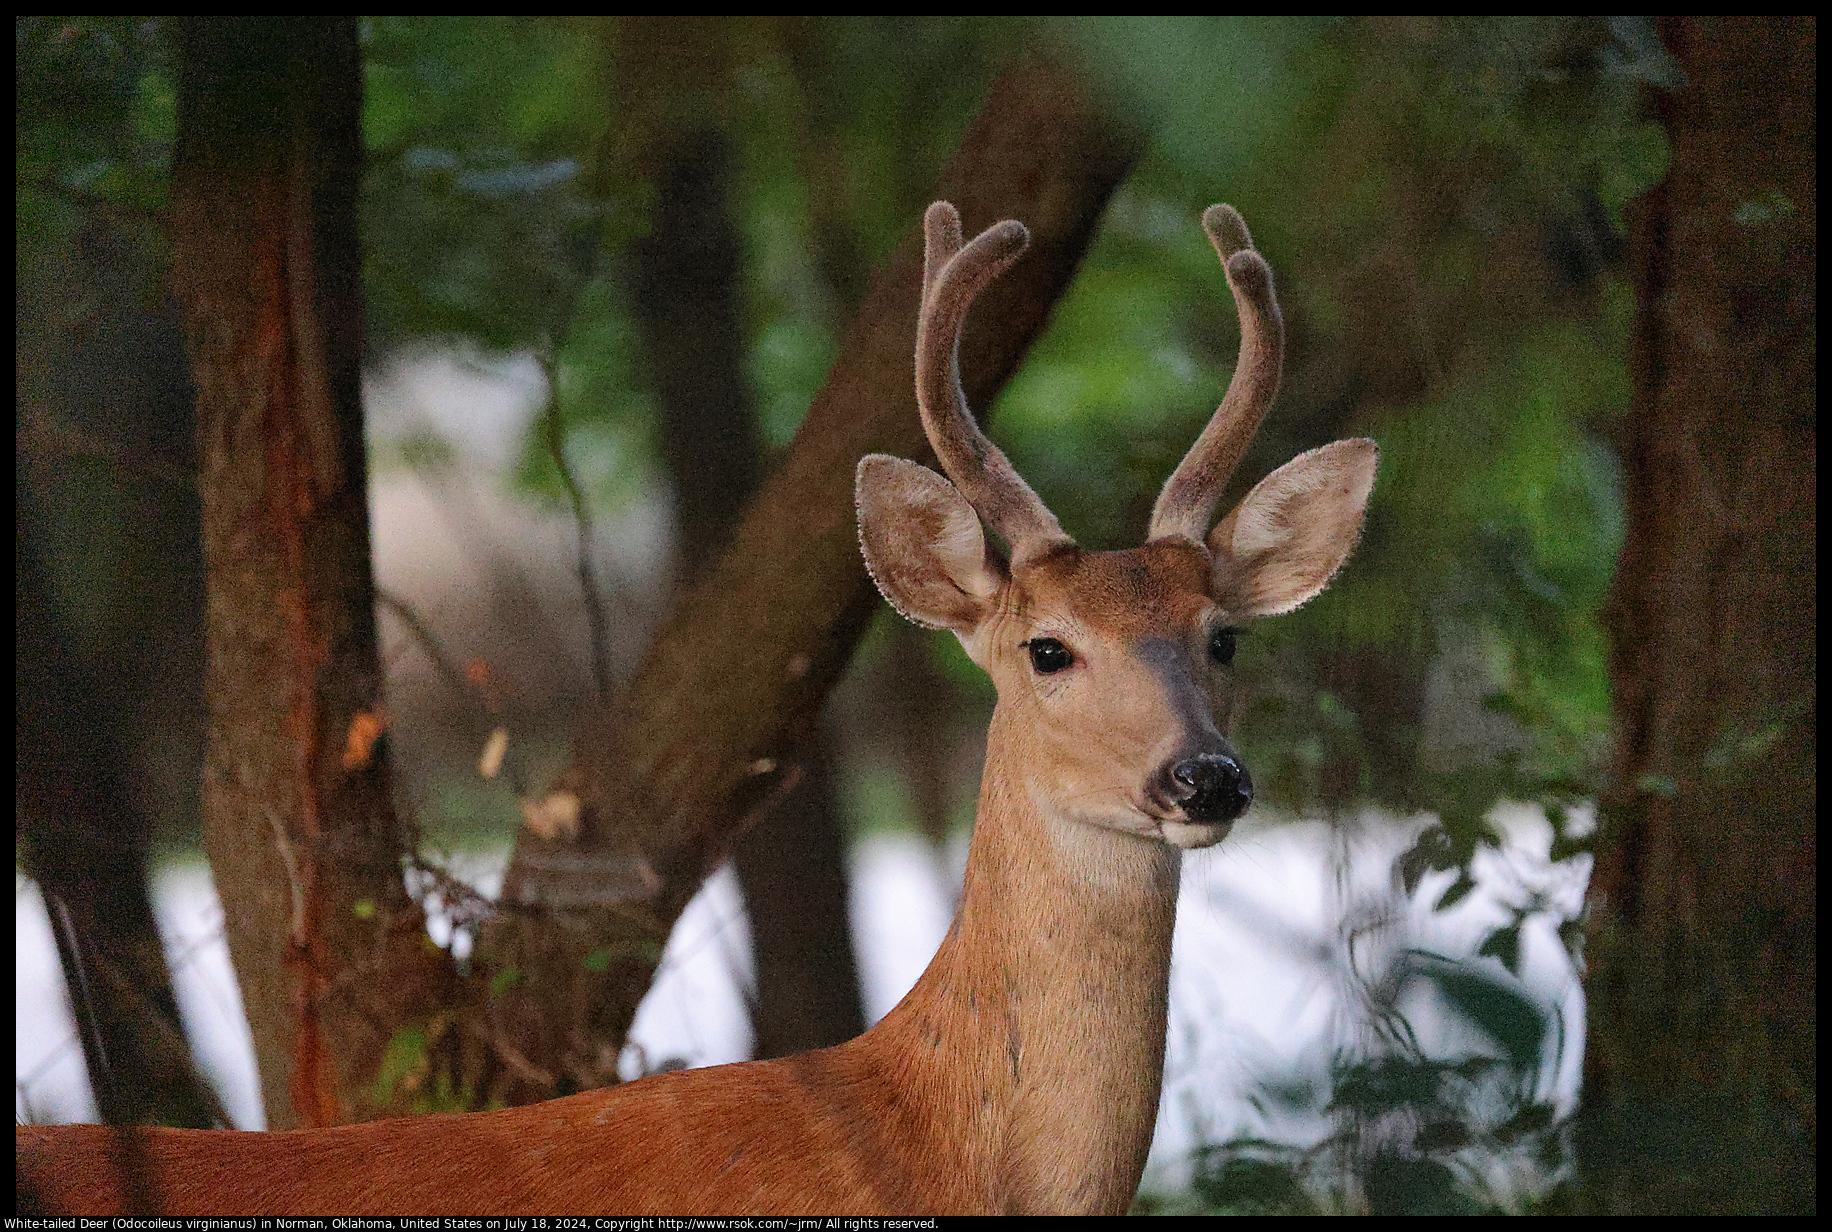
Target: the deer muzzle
pixel 1211 788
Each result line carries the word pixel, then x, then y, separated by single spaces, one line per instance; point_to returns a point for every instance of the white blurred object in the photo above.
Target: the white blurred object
pixel 1256 987
pixel 49 1084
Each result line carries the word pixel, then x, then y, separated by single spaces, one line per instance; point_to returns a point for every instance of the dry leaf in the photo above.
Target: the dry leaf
pixel 557 816
pixel 366 727
pixel 491 763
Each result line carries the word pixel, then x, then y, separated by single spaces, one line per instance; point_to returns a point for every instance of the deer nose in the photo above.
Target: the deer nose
pixel 1212 787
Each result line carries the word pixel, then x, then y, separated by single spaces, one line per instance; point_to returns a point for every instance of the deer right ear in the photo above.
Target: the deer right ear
pixel 923 544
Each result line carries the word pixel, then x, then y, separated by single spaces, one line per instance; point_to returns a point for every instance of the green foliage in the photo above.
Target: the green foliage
pixel 1428 193
pixel 1412 1134
pixel 1442 201
pixel 405 1051
pixel 1244 1184
pixel 485 219
pixel 478 216
pixel 415 1075
pixel 1421 187
pixel 93 127
pixel 1221 94
pixel 1390 170
pixel 1113 393
pixel 607 417
pixel 496 209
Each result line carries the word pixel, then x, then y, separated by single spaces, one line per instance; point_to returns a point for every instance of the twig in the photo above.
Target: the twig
pixel 464 903
pixel 296 930
pixel 527 1070
pixel 429 642
pixel 582 518
pixel 45 435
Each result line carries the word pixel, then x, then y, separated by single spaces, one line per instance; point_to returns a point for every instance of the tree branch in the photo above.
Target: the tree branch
pixel 665 775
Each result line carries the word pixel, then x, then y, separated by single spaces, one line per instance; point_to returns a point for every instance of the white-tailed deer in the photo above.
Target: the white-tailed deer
pixel 1022 1072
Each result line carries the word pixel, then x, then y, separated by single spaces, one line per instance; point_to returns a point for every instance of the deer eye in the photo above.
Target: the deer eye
pixel 1221 645
pixel 1048 655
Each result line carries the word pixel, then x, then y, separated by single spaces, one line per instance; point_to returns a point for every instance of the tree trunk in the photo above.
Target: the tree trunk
pixel 298 822
pixel 791 868
pixel 667 778
pixel 109 696
pixel 86 846
pixel 1701 1067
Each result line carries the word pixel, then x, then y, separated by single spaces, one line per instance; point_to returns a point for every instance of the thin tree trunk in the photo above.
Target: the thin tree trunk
pixel 298 822
pixel 914 717
pixel 108 709
pixel 791 868
pixel 86 846
pixel 666 779
pixel 1700 1074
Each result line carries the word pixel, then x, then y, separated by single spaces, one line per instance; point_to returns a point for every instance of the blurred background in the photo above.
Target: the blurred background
pixel 1377 998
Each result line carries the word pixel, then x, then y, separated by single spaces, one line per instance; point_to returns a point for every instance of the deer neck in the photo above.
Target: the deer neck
pixel 1039 1028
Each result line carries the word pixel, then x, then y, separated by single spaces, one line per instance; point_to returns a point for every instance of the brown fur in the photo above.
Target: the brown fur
pixel 1020 1074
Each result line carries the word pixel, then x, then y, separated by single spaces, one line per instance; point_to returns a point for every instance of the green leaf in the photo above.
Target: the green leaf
pixel 1447 1134
pixel 1502 1012
pixel 1433 852
pixel 1458 891
pixel 1504 943
pixel 1252 1186
pixel 1529 1120
pixel 404 1053
pixel 1401 1185
pixel 1386 1083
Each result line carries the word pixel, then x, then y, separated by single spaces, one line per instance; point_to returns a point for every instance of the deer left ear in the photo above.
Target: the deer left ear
pixel 1288 537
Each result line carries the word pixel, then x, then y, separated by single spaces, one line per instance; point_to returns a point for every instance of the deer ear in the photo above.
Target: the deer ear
pixel 1286 539
pixel 923 545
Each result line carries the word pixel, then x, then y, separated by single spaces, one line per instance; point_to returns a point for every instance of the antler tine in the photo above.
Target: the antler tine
pixel 941 239
pixel 953 277
pixel 1186 506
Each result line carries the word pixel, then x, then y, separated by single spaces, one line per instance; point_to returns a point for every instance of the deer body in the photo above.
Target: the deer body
pixel 1022 1072
pixel 1004 1080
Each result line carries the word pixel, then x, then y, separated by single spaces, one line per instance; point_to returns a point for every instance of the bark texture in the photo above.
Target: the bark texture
pixel 108 690
pixel 298 823
pixel 792 867
pixel 669 776
pixel 1700 1075
pixel 86 844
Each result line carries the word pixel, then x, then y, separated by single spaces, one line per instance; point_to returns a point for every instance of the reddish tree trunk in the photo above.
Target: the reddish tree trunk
pixel 1700 1074
pixel 298 823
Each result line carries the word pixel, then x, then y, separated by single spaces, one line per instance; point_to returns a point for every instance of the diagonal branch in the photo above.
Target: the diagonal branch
pixel 665 777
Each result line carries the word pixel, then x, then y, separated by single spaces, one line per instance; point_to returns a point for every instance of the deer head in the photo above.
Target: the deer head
pixel 1111 667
